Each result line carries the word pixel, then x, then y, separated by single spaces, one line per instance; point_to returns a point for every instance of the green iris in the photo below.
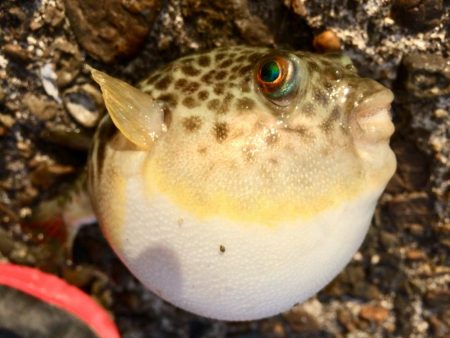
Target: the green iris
pixel 270 71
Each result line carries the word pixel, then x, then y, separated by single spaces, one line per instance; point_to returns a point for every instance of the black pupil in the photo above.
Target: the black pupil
pixel 270 71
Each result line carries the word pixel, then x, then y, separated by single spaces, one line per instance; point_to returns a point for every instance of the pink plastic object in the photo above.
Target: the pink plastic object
pixel 57 292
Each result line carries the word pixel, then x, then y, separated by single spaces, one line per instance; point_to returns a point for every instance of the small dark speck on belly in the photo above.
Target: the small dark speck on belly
pixel 222 248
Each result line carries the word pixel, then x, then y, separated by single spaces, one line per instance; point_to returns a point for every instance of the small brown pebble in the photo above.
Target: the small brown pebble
pixel 327 41
pixel 18 13
pixel 16 52
pixel 41 107
pixel 6 120
pixel 46 174
pixel 301 321
pixel 53 16
pixel 278 330
pixel 222 248
pixel 345 318
pixel 374 313
pixel 415 255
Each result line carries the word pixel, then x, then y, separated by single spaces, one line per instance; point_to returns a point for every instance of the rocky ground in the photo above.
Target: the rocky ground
pixel 395 286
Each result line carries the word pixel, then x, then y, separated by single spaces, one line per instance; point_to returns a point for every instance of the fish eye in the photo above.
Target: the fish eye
pixel 277 78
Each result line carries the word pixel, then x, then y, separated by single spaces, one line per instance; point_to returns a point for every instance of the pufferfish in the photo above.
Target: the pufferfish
pixel 238 182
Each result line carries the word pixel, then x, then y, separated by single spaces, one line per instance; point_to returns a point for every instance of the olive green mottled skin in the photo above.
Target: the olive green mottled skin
pixel 220 125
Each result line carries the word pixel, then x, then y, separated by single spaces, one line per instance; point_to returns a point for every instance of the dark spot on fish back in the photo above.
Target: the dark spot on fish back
pixel 203 95
pixel 169 99
pixel 208 77
pixel 204 61
pixel 164 83
pixel 246 69
pixel 221 76
pixel 213 104
pixel 254 57
pixel 190 70
pixel 219 88
pixel 245 103
pixel 189 102
pixel 226 63
pixel 180 83
pixel 221 131
pixel 240 58
pixel 191 88
pixel 220 56
pixel 192 123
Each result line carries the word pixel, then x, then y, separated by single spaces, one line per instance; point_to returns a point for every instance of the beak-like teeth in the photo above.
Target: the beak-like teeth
pixel 377 126
pixel 372 104
pixel 373 117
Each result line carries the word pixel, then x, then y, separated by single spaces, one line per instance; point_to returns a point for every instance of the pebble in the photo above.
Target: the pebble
pixel 425 75
pixel 69 61
pixel 48 78
pixel 16 52
pixel 415 255
pixel 327 42
pixel 85 104
pixel 53 16
pixel 18 13
pixel 345 318
pixel 388 240
pixel 301 321
pixel 6 120
pixel 41 107
pixel 46 174
pixel 418 15
pixel 374 313
pixel 111 29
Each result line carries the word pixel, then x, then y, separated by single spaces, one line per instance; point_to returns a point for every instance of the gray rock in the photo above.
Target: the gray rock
pixel 425 76
pixel 418 15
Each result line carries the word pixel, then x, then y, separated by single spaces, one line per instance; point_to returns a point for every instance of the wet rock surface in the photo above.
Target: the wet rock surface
pixel 112 29
pixel 397 283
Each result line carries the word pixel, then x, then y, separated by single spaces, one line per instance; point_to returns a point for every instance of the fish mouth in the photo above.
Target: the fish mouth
pixel 372 120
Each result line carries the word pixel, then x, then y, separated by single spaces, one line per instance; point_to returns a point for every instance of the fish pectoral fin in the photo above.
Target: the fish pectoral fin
pixel 138 116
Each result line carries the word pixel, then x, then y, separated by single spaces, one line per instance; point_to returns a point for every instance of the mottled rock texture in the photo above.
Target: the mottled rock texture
pixel 111 29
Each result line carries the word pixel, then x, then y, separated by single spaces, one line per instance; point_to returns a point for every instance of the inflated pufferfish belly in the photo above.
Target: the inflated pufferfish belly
pixel 238 182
